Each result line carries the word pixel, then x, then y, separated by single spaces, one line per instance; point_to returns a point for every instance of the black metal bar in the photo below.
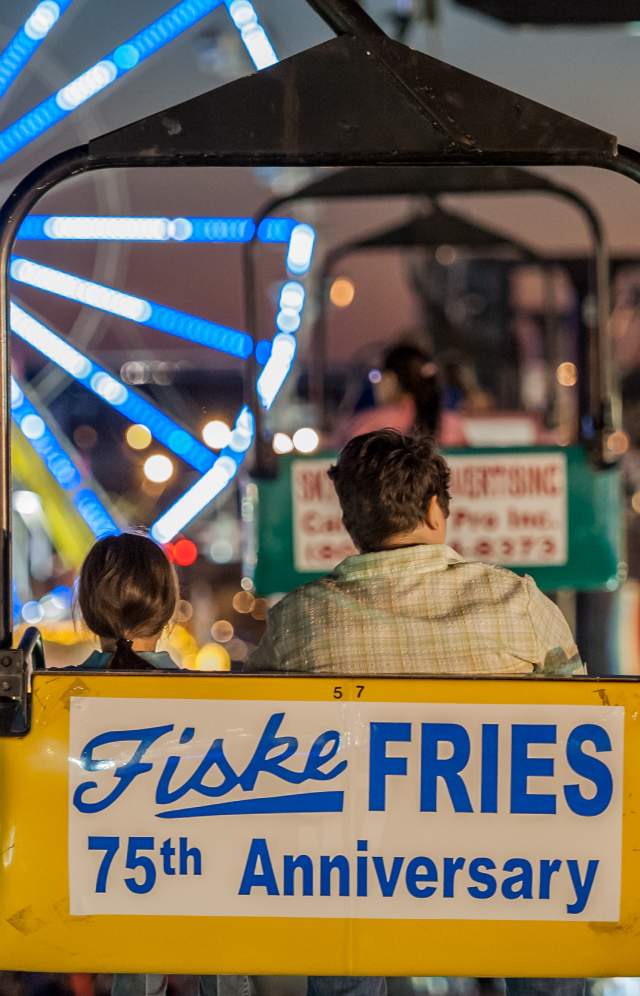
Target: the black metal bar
pixel 346 17
pixel 250 371
pixel 627 162
pixel 17 206
pixel 605 409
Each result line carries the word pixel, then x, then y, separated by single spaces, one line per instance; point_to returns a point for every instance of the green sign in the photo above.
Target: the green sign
pixel 543 511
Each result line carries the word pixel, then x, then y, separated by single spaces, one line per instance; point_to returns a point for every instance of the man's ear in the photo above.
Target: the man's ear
pixel 433 517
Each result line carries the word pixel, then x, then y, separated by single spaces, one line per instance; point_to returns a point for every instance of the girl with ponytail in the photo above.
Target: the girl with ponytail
pixel 127 594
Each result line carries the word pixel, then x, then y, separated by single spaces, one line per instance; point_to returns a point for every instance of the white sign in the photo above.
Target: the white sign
pixel 509 509
pixel 320 541
pixel 505 509
pixel 356 809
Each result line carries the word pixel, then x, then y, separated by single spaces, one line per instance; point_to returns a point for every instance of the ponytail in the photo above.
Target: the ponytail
pixel 418 376
pixel 427 396
pixel 126 659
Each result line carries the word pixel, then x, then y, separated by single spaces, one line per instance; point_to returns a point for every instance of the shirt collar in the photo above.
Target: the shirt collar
pixel 423 557
pixel 160 659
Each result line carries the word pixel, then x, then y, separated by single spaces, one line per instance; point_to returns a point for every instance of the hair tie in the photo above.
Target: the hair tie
pixel 428 370
pixel 123 644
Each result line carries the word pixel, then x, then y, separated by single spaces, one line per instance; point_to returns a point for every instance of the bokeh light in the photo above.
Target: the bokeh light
pixel 221 551
pixel 158 468
pixel 184 611
pixel 212 657
pixel 342 292
pixel 635 502
pixel 222 631
pixel 32 613
pixel 306 440
pixel 138 437
pixel 183 552
pixel 260 609
pixel 238 650
pixel 567 375
pixel 282 443
pixel 446 255
pixel 243 602
pixel 85 437
pixel 216 434
pixel 618 443
pixel 27 503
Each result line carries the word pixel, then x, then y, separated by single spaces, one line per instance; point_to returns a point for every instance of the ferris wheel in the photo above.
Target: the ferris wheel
pixel 275 357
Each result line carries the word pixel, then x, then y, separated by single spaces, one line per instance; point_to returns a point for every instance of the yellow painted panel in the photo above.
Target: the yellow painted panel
pixel 70 534
pixel 37 933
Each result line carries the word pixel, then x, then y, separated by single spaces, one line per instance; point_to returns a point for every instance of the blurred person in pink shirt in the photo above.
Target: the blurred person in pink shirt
pixel 408 397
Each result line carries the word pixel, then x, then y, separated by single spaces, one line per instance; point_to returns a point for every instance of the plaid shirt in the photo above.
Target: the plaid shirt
pixel 417 609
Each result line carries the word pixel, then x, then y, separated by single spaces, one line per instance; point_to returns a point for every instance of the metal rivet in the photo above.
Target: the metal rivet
pixel 6 685
pixel 6 662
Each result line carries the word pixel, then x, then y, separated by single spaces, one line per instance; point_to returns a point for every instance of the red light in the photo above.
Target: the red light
pixel 183 553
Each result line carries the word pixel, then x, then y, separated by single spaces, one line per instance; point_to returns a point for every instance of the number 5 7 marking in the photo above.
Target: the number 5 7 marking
pixel 337 691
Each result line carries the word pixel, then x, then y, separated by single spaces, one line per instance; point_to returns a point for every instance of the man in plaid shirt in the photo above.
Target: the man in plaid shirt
pixel 407 603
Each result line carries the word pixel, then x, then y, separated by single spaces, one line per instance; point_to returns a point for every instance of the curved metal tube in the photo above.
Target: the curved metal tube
pixel 15 209
pixel 32 647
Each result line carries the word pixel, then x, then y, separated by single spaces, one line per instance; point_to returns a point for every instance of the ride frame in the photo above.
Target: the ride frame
pixel 358 99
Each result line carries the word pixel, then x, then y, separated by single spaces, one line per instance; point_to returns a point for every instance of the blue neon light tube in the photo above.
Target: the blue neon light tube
pixel 46 227
pixel 254 37
pixel 136 309
pixel 110 389
pixel 196 498
pixel 103 73
pixel 59 463
pixel 28 39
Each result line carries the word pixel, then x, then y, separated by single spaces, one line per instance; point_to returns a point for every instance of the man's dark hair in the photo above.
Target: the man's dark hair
pixel 384 482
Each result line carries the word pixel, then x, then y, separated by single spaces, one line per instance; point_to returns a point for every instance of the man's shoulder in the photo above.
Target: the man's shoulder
pixel 494 573
pixel 299 596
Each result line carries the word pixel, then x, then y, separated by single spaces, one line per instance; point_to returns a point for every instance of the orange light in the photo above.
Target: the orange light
pixel 243 602
pixel 222 631
pixel 138 437
pixel 618 443
pixel 260 609
pixel 567 375
pixel 342 292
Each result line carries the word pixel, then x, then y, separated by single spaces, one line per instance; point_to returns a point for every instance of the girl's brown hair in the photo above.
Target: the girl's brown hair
pixel 127 589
